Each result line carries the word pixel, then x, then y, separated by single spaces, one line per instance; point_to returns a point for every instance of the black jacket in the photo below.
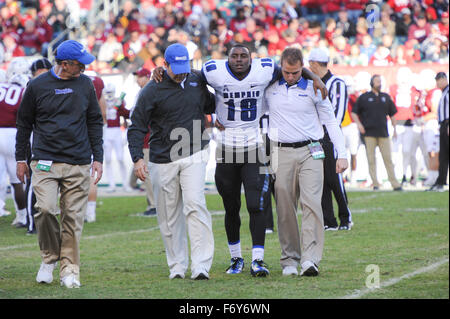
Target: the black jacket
pixel 65 119
pixel 176 117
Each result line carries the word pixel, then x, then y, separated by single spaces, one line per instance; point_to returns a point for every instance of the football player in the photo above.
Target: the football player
pixel 18 75
pixel 115 108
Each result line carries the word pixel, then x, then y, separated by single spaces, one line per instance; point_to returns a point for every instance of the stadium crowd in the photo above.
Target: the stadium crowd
pixel 355 32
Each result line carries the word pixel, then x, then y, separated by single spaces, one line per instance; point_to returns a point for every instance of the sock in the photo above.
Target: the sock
pixel 22 215
pixel 235 249
pixel 258 252
pixel 91 206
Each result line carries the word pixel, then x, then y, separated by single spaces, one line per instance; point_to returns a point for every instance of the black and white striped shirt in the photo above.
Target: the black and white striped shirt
pixel 443 106
pixel 338 95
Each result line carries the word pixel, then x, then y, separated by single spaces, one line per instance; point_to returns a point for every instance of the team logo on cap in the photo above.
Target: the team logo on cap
pixel 180 58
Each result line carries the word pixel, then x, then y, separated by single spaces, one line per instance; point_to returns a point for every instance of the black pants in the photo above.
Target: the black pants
pixel 31 201
pixel 268 212
pixel 333 182
pixel 229 179
pixel 443 154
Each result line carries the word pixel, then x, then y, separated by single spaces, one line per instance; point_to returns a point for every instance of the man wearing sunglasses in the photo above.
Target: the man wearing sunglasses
pixel 61 108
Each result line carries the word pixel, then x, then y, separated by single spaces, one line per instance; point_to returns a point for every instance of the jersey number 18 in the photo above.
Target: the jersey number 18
pixel 248 109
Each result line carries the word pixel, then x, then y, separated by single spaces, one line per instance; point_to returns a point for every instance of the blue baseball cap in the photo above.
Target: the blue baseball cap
pixel 73 50
pixel 178 57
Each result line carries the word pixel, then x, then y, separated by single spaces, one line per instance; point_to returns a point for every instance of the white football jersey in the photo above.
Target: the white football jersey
pixel 239 103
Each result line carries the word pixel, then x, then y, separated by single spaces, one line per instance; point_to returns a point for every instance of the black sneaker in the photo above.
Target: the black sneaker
pixel 375 188
pixel 403 180
pixel 201 276
pixel 398 189
pixel 330 228
pixel 309 269
pixel 150 212
pixel 31 232
pixel 436 188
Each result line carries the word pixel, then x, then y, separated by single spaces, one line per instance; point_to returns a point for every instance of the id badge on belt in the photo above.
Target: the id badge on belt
pixel 316 150
pixel 44 165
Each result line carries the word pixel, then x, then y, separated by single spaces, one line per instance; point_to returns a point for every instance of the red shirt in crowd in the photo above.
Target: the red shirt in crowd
pixel 45 30
pixel 310 37
pixel 331 6
pixel 313 3
pixel 237 25
pixel 32 39
pixel 418 33
pixel 398 5
pixel 381 58
pixel 355 4
pixel 443 29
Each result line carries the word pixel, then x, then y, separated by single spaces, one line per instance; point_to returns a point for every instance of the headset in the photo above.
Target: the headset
pixel 373 78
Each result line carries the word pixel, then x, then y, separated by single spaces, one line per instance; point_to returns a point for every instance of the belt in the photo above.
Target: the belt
pixel 298 144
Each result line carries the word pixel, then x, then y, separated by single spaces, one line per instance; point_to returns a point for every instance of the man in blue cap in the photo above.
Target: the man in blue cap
pixel 175 109
pixel 60 107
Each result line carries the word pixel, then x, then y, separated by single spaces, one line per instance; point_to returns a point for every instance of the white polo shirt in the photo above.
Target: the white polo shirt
pixel 297 115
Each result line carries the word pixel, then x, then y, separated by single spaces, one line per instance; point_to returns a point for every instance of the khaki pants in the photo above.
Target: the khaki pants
pixel 180 202
pixel 148 181
pixel 61 241
pixel 385 148
pixel 298 176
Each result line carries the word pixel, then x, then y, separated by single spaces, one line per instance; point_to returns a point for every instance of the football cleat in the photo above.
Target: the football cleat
pixel 237 265
pixel 259 268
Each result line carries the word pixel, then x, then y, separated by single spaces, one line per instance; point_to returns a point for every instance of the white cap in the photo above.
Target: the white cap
pixel 318 55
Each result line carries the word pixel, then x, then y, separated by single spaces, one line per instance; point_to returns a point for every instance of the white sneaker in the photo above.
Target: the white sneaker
pixel 4 213
pixel 70 281
pixel 21 219
pixel 309 269
pixel 45 273
pixel 290 270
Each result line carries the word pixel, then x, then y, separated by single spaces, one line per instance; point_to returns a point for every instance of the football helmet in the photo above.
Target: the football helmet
pixel 110 91
pixel 19 79
pixel 18 65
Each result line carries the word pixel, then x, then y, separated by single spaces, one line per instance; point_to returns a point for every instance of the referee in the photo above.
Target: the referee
pixel 442 83
pixel 333 182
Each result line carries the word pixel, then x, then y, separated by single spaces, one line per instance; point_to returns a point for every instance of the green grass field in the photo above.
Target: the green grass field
pixel 122 255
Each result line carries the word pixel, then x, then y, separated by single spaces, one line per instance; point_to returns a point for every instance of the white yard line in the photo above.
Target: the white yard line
pixel 393 281
pixel 137 231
